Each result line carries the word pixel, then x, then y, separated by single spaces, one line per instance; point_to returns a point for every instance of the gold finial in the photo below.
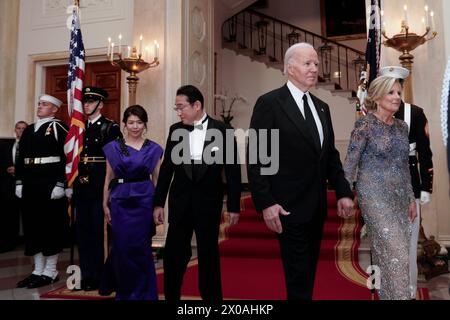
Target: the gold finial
pixel 76 3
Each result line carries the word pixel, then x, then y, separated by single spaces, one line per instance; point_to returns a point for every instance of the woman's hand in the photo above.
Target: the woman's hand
pixel 412 211
pixel 107 214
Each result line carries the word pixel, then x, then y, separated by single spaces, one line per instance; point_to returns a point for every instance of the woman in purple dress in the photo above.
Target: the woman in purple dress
pixel 131 175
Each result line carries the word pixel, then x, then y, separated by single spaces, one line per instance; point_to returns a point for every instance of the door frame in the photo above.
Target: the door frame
pixel 36 69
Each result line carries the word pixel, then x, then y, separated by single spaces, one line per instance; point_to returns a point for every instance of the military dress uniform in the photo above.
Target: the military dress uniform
pixel 88 195
pixel 421 169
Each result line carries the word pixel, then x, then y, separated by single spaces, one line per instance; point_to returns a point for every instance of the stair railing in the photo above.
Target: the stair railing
pixel 264 36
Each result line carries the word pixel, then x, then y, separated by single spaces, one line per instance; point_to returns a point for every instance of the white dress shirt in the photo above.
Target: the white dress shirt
pixel 298 94
pixel 14 150
pixel 197 139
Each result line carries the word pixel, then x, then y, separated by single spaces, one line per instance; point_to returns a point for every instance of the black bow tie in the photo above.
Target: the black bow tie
pixel 191 128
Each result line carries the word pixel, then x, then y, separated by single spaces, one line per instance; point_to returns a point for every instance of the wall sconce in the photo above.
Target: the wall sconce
pixel 262 36
pixel 293 37
pixel 360 65
pixel 325 54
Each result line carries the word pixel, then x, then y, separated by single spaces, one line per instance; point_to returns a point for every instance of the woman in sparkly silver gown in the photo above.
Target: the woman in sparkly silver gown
pixel 377 159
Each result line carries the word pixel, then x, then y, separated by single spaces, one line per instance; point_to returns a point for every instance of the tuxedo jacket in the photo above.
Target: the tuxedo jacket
pixel 300 185
pixel 200 194
pixel 7 181
pixel 421 166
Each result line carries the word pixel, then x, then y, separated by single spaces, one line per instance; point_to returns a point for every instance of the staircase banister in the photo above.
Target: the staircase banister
pixel 324 39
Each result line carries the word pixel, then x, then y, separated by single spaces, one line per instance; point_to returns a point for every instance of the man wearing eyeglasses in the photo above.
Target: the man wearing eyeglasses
pixel 195 191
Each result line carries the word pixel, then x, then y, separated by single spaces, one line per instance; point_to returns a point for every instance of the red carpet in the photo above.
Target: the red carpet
pixel 251 265
pixel 252 269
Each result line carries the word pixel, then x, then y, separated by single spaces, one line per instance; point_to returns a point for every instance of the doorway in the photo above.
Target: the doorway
pixel 98 74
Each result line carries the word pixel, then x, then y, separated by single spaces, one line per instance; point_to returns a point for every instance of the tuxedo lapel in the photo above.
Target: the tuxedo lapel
pixel 290 107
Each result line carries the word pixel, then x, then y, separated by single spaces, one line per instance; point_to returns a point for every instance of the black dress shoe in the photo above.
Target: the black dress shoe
pixel 25 282
pixel 42 281
pixel 90 285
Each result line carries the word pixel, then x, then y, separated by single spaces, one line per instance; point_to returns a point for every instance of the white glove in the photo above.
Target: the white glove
pixel 19 188
pixel 57 193
pixel 69 193
pixel 425 197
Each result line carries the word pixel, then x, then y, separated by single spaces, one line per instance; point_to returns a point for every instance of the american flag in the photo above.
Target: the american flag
pixel 74 141
pixel 374 40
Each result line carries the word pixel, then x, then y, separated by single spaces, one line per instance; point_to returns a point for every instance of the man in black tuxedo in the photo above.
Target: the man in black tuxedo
pixel 196 194
pixel 294 200
pixel 10 213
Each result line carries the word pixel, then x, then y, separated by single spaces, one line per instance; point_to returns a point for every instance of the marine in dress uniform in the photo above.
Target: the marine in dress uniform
pixel 420 164
pixel 88 187
pixel 41 179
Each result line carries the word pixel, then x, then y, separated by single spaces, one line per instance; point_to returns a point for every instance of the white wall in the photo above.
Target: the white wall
pixel 43 31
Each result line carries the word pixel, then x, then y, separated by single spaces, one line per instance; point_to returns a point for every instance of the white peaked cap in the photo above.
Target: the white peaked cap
pixel 394 72
pixel 51 99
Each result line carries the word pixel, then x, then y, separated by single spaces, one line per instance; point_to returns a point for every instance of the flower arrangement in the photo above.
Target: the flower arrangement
pixel 226 112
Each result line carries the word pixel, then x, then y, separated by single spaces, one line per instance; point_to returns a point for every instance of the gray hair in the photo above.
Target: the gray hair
pixel 291 51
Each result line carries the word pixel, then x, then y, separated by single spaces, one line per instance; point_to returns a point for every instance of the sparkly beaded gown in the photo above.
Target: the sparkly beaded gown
pixel 377 159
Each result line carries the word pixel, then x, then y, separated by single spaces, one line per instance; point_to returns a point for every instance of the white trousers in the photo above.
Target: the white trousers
pixel 413 272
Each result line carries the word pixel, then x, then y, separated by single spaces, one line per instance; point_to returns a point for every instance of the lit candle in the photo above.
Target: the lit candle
pixel 405 8
pixel 112 51
pixel 109 46
pixel 427 22
pixel 120 44
pixel 433 26
pixel 129 51
pixel 140 44
pixel 156 50
pixel 147 54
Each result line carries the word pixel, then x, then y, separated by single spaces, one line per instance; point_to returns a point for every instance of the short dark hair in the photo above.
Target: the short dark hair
pixel 137 111
pixel 20 122
pixel 192 93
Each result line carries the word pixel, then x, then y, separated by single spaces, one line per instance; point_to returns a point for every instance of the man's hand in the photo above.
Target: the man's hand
pixel 11 170
pixel 57 193
pixel 425 197
pixel 234 218
pixel 158 215
pixel 345 208
pixel 412 211
pixel 272 217
pixel 19 188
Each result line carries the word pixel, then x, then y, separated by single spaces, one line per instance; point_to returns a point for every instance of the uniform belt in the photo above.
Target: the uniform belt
pixel 412 149
pixel 45 160
pixel 93 160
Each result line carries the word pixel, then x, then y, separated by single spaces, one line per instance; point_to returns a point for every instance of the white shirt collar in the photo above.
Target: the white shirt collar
pixel 296 91
pixel 41 122
pixel 95 120
pixel 201 120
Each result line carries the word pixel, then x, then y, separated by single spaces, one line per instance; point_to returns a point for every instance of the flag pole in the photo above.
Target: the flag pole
pixel 71 200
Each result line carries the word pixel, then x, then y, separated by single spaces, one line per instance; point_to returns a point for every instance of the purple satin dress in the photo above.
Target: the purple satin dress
pixel 131 266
